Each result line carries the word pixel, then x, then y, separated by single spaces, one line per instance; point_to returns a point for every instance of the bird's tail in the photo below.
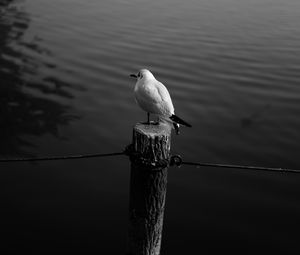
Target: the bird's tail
pixel 179 121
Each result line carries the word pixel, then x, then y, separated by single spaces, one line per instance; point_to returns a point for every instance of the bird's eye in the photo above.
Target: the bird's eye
pixel 139 75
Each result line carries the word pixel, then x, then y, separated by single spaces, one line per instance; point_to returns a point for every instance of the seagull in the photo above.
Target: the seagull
pixel 153 97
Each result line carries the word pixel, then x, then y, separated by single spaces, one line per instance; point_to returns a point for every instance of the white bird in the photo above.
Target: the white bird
pixel 153 97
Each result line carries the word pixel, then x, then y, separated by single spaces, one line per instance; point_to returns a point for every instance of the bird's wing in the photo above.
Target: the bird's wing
pixel 165 98
pixel 155 98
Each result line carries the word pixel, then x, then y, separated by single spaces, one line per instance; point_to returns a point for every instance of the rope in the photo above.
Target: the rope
pixel 96 155
pixel 176 160
pixel 242 167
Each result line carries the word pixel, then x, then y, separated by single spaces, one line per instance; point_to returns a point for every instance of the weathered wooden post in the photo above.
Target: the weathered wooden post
pixel 148 185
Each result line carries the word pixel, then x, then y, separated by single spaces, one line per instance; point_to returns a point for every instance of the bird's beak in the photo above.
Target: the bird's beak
pixel 133 75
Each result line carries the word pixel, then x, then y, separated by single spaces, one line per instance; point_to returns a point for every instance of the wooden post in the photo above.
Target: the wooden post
pixel 148 186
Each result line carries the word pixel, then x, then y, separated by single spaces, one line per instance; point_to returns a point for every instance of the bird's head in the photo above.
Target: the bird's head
pixel 142 74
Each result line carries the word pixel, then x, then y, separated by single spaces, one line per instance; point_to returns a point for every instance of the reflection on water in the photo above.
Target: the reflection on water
pixel 24 111
pixel 248 121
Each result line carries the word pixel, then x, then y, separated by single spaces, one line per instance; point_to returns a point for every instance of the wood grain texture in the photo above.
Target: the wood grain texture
pixel 148 186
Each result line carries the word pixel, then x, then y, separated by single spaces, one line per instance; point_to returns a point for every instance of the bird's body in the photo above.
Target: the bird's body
pixel 153 97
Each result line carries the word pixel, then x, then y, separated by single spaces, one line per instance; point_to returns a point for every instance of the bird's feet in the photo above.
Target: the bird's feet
pixel 149 122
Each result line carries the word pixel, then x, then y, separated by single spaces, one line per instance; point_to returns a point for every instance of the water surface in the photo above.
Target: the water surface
pixel 233 71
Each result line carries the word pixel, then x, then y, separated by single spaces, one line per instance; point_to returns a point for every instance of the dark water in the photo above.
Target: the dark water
pixel 233 71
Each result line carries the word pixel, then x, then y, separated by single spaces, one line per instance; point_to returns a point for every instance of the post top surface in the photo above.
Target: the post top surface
pixel 160 129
